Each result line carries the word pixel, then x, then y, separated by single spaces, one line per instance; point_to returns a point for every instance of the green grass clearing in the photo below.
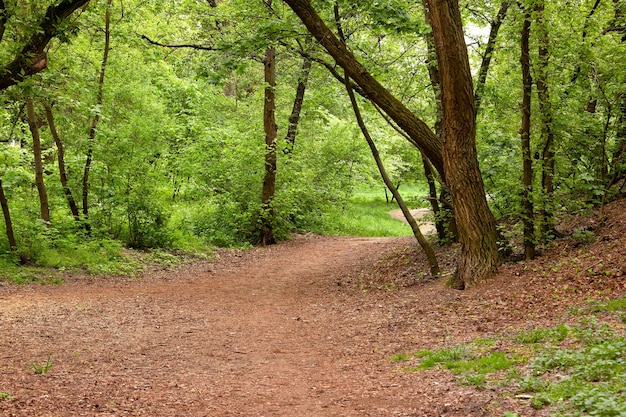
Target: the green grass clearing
pixel 367 213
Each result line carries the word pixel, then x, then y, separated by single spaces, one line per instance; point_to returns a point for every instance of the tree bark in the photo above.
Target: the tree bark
pixel 298 101
pixel 418 132
pixel 527 199
pixel 8 223
pixel 547 133
pixel 269 123
pixel 475 222
pixel 96 118
pixel 444 214
pixel 32 58
pixel 39 182
pixel 4 17
pixel 61 162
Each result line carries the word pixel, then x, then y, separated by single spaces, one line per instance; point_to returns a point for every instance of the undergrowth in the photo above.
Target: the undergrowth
pixel 577 370
pixel 47 264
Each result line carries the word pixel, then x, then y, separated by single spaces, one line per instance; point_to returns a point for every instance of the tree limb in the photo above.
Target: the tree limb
pixel 491 43
pixel 176 46
pixel 3 19
pixel 32 58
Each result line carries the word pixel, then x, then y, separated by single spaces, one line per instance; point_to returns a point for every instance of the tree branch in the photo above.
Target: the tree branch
pixel 491 43
pixel 175 46
pixel 3 19
pixel 32 58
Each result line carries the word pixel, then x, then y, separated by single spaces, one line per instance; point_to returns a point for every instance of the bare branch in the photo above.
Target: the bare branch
pixel 176 46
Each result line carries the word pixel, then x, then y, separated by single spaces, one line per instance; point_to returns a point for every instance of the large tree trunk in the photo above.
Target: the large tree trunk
pixel 527 199
pixel 41 186
pixel 61 162
pixel 418 132
pixel 269 123
pixel 475 222
pixel 96 118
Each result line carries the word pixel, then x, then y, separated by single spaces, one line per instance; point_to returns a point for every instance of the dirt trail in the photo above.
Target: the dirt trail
pixel 303 328
pixel 265 333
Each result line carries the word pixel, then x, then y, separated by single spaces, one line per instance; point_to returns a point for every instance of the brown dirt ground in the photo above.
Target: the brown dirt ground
pixel 303 328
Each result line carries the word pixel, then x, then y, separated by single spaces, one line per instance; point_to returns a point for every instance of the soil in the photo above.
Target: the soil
pixel 303 328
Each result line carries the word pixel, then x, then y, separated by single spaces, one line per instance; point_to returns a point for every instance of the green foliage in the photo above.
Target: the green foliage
pixel 540 335
pixel 617 304
pixel 575 369
pixel 5 396
pixel 178 152
pixel 584 236
pixel 147 221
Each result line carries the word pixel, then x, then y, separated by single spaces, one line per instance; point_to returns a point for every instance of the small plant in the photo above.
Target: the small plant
pixel 400 357
pixel 42 368
pixel 617 304
pixel 584 236
pixel 444 356
pixel 5 396
pixel 539 402
pixel 541 335
pixel 477 380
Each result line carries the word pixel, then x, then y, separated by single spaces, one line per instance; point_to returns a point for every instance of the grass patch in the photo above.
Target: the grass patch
pixel 367 213
pixel 468 362
pixel 575 370
pixel 542 335
pixel 617 304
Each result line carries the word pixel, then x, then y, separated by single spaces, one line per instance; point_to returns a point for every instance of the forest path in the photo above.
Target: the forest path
pixel 303 328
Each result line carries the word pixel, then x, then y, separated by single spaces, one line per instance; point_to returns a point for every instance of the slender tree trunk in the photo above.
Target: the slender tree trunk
pixel 41 186
pixel 475 222
pixel 423 242
pixel 527 196
pixel 421 239
pixel 61 162
pixel 8 223
pixel 547 133
pixel 4 17
pixel 440 224
pixel 298 101
pixel 96 118
pixel 269 122
pixel 491 44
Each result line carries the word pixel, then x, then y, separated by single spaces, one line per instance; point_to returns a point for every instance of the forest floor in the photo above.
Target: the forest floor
pixel 304 328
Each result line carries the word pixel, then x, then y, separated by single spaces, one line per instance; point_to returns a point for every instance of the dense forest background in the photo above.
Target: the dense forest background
pixel 146 124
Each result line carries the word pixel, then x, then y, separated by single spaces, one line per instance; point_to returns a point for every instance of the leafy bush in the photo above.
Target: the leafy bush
pixel 147 220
